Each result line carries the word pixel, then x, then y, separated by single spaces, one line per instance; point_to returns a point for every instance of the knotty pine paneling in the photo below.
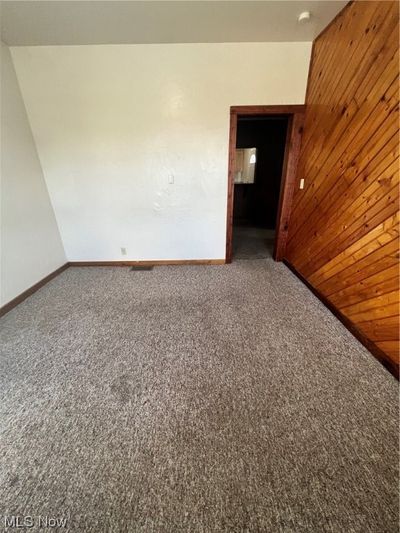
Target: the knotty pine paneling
pixel 344 225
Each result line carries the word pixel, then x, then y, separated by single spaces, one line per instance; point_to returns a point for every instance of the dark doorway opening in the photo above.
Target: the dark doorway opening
pixel 255 204
pixel 256 213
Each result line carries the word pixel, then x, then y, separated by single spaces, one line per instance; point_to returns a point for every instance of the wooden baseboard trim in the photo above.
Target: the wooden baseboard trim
pixel 371 346
pixel 21 297
pixel 161 262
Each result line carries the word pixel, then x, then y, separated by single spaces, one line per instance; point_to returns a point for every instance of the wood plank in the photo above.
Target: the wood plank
pixel 338 118
pixel 379 283
pixel 391 348
pixel 375 313
pixel 367 190
pixel 348 128
pixel 328 182
pixel 384 39
pixel 341 43
pixel 383 300
pixel 380 260
pixel 383 22
pixel 355 124
pixel 352 231
pixel 373 240
pixel 374 157
pixel 384 329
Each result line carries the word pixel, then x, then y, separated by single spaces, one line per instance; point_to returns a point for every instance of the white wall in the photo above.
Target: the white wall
pixel 31 245
pixel 114 123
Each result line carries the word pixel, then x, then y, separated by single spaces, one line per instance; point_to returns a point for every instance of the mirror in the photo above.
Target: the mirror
pixel 245 165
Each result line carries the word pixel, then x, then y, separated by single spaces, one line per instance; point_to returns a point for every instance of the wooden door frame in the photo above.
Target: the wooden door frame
pixel 295 114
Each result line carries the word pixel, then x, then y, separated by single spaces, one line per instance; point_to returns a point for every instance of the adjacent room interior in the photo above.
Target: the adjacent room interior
pixel 199 319
pixel 260 150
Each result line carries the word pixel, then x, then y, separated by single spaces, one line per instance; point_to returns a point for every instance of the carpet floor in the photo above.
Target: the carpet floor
pixel 252 243
pixel 193 399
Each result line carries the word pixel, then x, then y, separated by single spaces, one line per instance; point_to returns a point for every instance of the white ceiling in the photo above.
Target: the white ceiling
pixel 59 22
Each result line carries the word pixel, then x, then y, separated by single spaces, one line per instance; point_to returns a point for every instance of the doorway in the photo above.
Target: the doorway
pixel 264 147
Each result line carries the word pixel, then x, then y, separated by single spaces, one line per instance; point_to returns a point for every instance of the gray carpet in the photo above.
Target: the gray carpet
pixel 193 399
pixel 252 243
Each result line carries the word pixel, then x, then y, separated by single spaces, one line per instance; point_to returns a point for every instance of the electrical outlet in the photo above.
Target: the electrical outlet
pixel 301 183
pixel 123 251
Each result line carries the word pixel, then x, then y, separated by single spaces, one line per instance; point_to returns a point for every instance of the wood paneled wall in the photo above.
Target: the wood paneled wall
pixel 344 225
